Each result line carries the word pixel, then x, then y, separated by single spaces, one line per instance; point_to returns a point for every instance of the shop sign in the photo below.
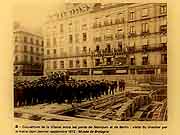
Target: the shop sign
pixel 121 71
pixel 98 72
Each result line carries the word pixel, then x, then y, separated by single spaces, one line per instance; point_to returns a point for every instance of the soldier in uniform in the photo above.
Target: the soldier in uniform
pixel 123 85
pixel 112 88
pixel 120 85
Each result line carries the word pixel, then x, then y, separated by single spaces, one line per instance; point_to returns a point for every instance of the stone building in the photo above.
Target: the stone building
pixel 107 39
pixel 28 53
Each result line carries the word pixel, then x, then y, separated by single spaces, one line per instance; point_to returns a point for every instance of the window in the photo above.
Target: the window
pixel 77 63
pixel 108 47
pixel 84 63
pixel 97 62
pixel 163 39
pixel 84 36
pixel 109 62
pixel 163 9
pixel 145 12
pixel 145 27
pixel 77 50
pixel 31 40
pixel 84 49
pixel 48 51
pixel 70 38
pixel 54 64
pixel 25 48
pixel 37 58
pixel 119 18
pixel 48 43
pixel 48 65
pixel 42 43
pixel 106 22
pixel 120 45
pixel 70 27
pixel 61 28
pixel 54 41
pixel 163 28
pixel 37 42
pixel 77 38
pixel 163 58
pixel 97 39
pixel 31 49
pixel 132 62
pixel 97 48
pixel 32 60
pixel 25 58
pixel 84 26
pixel 54 51
pixel 25 39
pixel 71 63
pixel 132 15
pixel 16 59
pixel 132 71
pixel 145 60
pixel 61 64
pixel 145 41
pixel 132 29
pixel 37 50
pixel 108 37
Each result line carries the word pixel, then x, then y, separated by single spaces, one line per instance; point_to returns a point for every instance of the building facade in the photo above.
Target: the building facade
pixel 28 53
pixel 107 39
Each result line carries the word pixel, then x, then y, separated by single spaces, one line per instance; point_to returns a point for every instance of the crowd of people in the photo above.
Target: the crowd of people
pixel 59 87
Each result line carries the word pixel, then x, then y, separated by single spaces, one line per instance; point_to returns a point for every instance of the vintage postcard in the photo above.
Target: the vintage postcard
pixel 90 67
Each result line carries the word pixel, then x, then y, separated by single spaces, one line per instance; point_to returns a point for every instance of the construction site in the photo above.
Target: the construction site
pixel 143 102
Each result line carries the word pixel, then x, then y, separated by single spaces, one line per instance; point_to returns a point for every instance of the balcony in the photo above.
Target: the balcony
pixel 163 29
pixel 97 39
pixel 132 34
pixel 118 21
pixel 108 37
pixel 131 49
pixel 119 36
pixel 145 33
pixel 65 55
pixel 107 23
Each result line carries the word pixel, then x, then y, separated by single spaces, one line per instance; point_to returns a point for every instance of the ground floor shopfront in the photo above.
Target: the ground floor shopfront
pixel 127 72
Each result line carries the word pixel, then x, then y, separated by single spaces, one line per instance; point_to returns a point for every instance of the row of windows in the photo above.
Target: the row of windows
pixel 30 40
pixel 145 42
pixel 54 51
pixel 31 49
pixel 146 12
pixel 124 60
pixel 107 22
pixel 84 38
pixel 71 64
pixel 120 19
pixel 70 27
pixel 145 28
pixel 71 38
pixel 25 59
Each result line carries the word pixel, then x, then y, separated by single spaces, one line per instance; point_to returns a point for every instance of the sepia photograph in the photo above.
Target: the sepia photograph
pixel 90 61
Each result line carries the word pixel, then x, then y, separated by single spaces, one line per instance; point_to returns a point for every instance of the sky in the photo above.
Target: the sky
pixel 32 14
